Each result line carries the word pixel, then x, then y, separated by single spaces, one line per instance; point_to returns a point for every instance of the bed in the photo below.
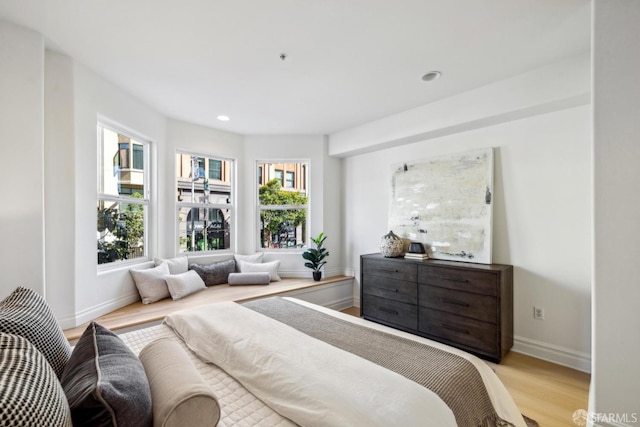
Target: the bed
pixel 284 362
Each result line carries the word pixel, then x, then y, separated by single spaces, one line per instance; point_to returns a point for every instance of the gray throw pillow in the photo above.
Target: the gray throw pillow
pixel 30 394
pixel 216 273
pixel 105 382
pixel 27 314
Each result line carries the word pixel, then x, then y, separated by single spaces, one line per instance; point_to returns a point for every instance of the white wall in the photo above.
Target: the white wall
pixel 615 382
pixel 22 171
pixel 541 212
pixel 60 176
pixel 76 98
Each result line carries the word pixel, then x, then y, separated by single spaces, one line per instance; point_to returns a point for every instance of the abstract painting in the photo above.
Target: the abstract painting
pixel 446 203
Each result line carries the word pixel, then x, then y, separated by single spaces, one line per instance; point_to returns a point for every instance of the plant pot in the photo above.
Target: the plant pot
pixel 317 275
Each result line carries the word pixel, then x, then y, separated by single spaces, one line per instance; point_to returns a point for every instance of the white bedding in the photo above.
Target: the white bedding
pixel 241 408
pixel 306 380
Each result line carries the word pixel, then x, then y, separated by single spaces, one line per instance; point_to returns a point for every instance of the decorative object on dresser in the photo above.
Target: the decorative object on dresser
pixel 391 245
pixel 465 305
pixel 416 248
pixel 315 256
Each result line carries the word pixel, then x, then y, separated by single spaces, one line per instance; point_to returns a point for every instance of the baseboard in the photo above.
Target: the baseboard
pixel 306 272
pixel 337 296
pixel 553 353
pixel 99 310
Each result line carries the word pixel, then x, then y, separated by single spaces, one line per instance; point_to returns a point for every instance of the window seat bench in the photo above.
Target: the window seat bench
pixel 138 314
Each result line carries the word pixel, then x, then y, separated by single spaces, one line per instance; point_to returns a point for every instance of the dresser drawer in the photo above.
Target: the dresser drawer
pixel 397 313
pixel 463 280
pixel 482 337
pixel 397 290
pixel 391 269
pixel 475 306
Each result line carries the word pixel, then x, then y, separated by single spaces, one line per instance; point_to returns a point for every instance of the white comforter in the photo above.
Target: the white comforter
pixel 304 379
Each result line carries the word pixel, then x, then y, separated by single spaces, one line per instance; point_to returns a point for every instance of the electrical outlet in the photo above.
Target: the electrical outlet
pixel 538 313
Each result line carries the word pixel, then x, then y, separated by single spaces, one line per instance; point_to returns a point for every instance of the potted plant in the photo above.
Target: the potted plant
pixel 315 256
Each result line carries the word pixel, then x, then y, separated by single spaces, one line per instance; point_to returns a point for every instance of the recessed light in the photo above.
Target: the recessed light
pixel 431 75
pixel 223 118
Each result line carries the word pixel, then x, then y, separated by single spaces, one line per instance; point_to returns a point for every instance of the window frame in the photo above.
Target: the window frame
pixel 145 201
pixel 306 165
pixel 231 206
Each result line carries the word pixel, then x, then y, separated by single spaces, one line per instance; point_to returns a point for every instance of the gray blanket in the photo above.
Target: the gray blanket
pixel 451 377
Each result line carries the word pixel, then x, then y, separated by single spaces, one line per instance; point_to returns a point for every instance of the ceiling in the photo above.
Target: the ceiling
pixel 347 61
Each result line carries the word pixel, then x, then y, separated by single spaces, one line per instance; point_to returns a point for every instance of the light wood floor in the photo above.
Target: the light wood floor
pixel 545 392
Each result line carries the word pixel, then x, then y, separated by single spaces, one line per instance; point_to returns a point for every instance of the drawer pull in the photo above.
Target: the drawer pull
pixel 390 290
pixel 388 310
pixel 393 270
pixel 453 279
pixel 450 301
pixel 454 328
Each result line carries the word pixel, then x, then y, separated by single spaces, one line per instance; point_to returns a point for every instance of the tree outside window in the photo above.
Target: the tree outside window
pixel 283 210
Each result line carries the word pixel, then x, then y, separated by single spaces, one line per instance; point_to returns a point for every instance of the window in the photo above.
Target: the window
pixel 283 209
pixel 123 196
pixel 291 178
pixel 278 175
pixel 205 208
pixel 138 156
pixel 215 169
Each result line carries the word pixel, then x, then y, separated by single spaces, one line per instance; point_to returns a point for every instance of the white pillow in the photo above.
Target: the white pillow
pixel 269 267
pixel 183 284
pixel 176 265
pixel 151 284
pixel 257 257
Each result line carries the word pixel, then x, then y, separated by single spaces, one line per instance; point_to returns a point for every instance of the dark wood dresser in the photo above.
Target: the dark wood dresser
pixel 465 305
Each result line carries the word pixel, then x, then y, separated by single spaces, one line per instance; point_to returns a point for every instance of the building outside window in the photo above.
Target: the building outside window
pixel 283 207
pixel 123 195
pixel 204 202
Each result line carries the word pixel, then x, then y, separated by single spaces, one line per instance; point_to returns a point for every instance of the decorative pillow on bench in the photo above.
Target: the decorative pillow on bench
pixel 151 284
pixel 258 278
pixel 216 273
pixel 181 285
pixel 268 267
pixel 176 265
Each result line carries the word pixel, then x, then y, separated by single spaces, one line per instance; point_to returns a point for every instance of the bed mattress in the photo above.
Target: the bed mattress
pixel 239 407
